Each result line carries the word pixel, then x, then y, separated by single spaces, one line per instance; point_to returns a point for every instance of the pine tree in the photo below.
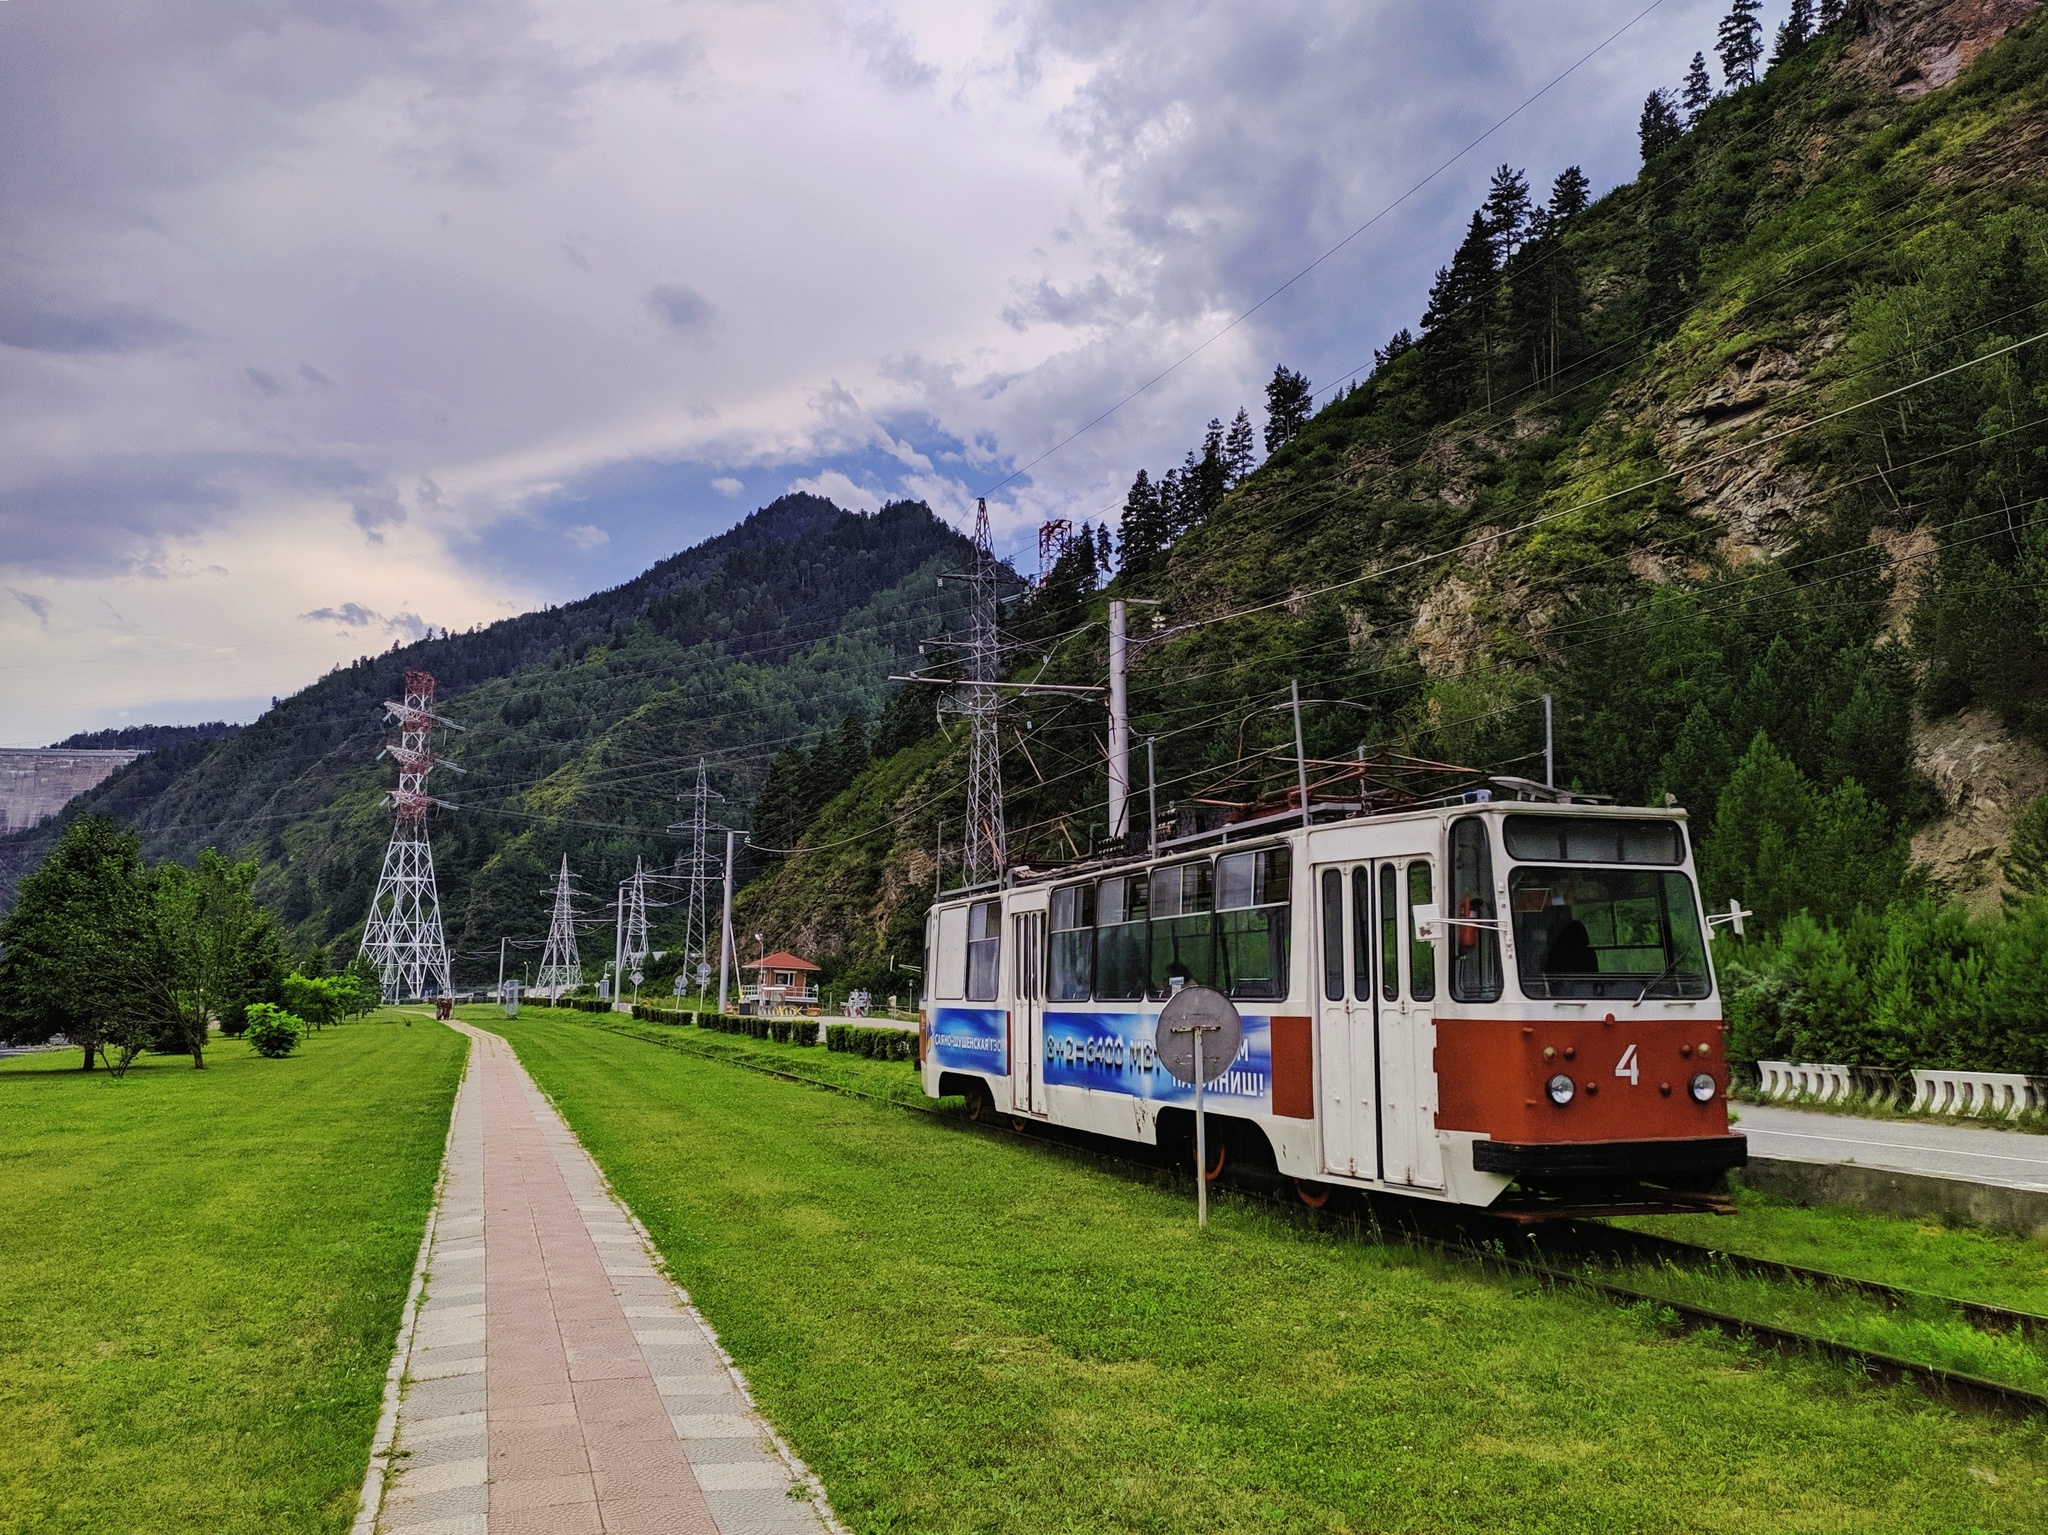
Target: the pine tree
pixel 1569 196
pixel 1142 536
pixel 1830 13
pixel 1239 447
pixel 1287 407
pixel 1740 43
pixel 1658 128
pixel 1507 212
pixel 2025 864
pixel 1457 325
pixel 1699 89
pixel 1797 31
pixel 1403 340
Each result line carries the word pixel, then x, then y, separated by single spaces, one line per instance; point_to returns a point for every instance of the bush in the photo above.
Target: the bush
pixel 877 1044
pixel 272 1031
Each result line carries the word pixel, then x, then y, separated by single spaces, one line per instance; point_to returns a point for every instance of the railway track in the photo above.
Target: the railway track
pixel 1493 1243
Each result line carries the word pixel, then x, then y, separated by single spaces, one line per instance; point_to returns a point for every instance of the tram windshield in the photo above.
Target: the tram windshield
pixel 1609 933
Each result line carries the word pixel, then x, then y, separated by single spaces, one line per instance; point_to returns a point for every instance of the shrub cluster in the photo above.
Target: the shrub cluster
pixel 1923 985
pixel 875 1044
pixel 272 1031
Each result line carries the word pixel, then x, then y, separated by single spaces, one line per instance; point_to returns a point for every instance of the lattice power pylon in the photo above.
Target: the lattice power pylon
pixel 403 935
pixel 702 869
pixel 633 949
pixel 985 854
pixel 560 969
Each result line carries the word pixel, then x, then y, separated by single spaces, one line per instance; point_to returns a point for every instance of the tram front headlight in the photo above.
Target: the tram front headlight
pixel 1561 1089
pixel 1703 1088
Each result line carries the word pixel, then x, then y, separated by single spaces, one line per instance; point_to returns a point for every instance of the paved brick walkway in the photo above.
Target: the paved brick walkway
pixel 557 1382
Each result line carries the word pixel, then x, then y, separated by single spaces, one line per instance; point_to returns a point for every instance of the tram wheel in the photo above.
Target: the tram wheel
pixel 1211 1174
pixel 981 1104
pixel 1314 1195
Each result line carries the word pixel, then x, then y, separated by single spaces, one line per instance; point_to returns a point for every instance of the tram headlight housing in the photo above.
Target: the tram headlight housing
pixel 1561 1089
pixel 1703 1088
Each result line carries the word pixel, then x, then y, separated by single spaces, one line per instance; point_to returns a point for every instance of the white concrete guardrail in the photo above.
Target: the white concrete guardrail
pixel 1934 1092
pixel 1975 1092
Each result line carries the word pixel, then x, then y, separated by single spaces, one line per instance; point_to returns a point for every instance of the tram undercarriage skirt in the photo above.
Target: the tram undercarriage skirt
pixel 1612 1159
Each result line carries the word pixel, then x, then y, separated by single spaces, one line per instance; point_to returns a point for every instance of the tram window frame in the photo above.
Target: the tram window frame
pixel 1183 912
pixel 1476 973
pixel 1254 935
pixel 1594 839
pixel 1421 952
pixel 1390 932
pixel 984 951
pixel 1361 933
pixel 948 970
pixel 1122 937
pixel 1070 946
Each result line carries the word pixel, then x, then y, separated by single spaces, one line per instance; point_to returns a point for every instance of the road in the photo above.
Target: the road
pixel 2005 1157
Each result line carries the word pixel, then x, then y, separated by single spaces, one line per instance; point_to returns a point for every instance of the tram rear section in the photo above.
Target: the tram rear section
pixel 1500 1003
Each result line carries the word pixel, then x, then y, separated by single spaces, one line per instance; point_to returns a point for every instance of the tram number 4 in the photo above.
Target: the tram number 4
pixel 1627 1067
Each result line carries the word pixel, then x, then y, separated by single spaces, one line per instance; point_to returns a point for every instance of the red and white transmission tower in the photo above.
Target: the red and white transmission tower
pixel 1054 536
pixel 403 935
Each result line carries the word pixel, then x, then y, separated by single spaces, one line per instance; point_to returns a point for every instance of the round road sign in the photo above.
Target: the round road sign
pixel 1222 1033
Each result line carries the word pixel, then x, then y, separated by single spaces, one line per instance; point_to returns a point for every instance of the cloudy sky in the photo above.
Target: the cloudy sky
pixel 322 321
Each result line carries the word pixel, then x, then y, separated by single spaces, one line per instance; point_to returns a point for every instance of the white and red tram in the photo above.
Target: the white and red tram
pixel 1495 1002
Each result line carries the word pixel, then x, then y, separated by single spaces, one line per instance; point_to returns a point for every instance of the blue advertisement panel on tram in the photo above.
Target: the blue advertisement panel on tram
pixel 1115 1053
pixel 971 1039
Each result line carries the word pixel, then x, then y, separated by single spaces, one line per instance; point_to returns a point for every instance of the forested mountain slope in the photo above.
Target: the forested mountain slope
pixel 1742 462
pixel 583 725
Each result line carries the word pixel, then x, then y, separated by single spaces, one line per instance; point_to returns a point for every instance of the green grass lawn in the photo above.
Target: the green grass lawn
pixel 964 1332
pixel 201 1275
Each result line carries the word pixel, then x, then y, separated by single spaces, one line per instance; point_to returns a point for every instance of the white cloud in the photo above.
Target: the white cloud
pixel 294 261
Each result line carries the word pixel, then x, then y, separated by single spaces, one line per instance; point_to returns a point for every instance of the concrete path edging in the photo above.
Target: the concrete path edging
pixel 1998 1207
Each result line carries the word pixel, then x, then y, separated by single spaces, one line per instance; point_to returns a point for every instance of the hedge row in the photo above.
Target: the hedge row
pixel 875 1044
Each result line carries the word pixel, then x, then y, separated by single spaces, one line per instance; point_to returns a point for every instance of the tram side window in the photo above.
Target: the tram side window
pixel 1475 951
pixel 1390 933
pixel 984 949
pixel 1120 928
pixel 947 967
pixel 1421 952
pixel 1361 934
pixel 1253 912
pixel 1183 927
pixel 1333 935
pixel 1070 957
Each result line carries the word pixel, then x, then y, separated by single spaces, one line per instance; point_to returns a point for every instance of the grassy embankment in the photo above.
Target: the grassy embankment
pixel 961 1332
pixel 201 1275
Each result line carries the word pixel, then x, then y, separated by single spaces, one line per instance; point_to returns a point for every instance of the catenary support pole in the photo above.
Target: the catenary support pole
pixel 1300 756
pixel 725 924
pixel 618 946
pixel 1151 797
pixel 501 969
pixel 1549 755
pixel 1119 724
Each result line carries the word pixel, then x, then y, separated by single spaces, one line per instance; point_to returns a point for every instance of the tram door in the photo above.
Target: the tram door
pixel 1376 1023
pixel 1027 1012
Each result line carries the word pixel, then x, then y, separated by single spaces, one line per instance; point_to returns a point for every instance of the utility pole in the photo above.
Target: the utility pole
pixel 633 950
pixel 697 916
pixel 1549 752
pixel 403 935
pixel 725 925
pixel 560 967
pixel 618 943
pixel 987 851
pixel 1300 756
pixel 1151 798
pixel 1119 724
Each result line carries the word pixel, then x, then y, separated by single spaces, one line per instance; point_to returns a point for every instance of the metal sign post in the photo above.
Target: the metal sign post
pixel 1189 1014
